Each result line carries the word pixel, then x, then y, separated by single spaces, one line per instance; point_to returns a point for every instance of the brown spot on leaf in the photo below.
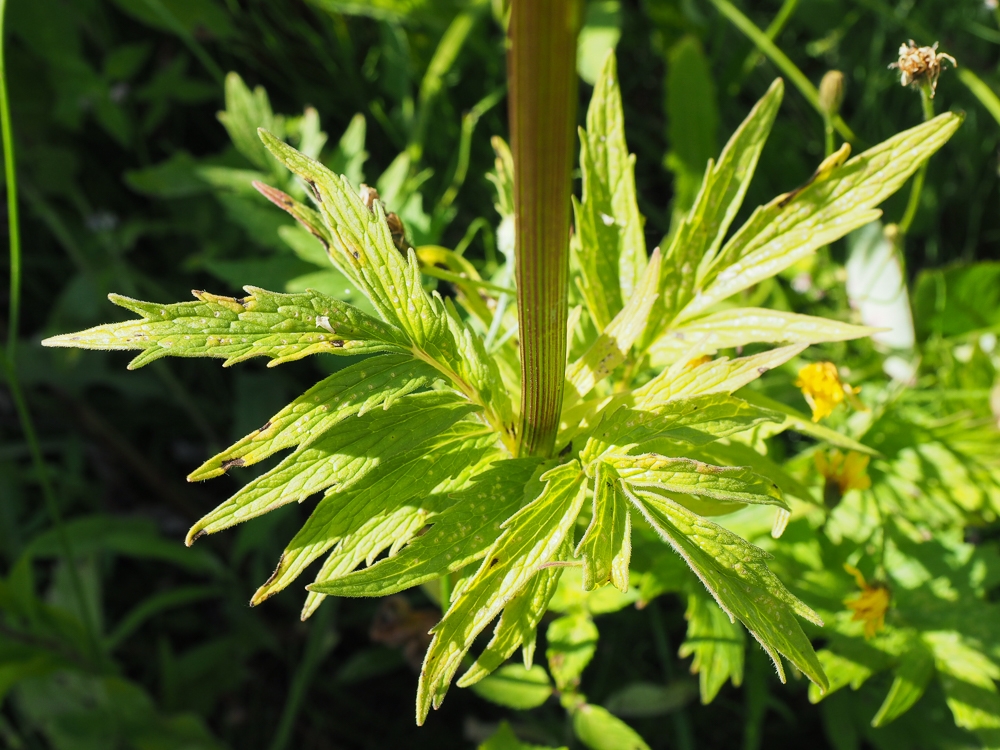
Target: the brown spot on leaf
pixel 227 465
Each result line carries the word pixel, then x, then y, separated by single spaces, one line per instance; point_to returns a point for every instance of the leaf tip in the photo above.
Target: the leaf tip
pixel 193 535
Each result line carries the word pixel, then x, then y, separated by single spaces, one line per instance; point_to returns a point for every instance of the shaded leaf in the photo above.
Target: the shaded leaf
pixel 717 644
pixel 598 729
pixel 572 640
pixel 515 687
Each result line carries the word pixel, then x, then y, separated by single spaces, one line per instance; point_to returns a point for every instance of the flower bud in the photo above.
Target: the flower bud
pixel 831 92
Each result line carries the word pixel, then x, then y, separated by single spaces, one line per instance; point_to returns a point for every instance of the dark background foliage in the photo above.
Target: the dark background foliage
pixel 104 90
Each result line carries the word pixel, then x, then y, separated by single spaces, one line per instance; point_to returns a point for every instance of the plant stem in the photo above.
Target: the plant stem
pixel 8 352
pixel 13 222
pixel 913 204
pixel 541 70
pixel 683 734
pixel 316 648
pixel 782 61
pixel 774 28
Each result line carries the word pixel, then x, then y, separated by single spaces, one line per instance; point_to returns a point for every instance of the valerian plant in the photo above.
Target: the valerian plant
pixel 415 451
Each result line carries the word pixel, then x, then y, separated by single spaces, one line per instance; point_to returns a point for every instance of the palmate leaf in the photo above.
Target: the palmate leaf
pixel 284 327
pixel 387 530
pixel 613 344
pixel 420 476
pixel 835 202
pixel 459 535
pixel 734 572
pixel 741 326
pixel 517 625
pixel 609 244
pixel 737 484
pixel 697 421
pixel 361 247
pixel 531 538
pixel 720 375
pixel 375 383
pixel 341 457
pixel 719 199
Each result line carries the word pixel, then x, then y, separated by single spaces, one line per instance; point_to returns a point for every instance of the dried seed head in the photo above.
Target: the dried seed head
pixel 921 66
pixel 831 92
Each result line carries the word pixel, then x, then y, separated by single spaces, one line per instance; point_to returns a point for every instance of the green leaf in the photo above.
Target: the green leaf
pixel 375 383
pixel 717 644
pixel 968 677
pixel 735 573
pixel 956 300
pixel 852 666
pixel 341 457
pixel 570 596
pixel 741 326
pixel 515 687
pixel 601 30
pixel 912 675
pixel 835 202
pixel 531 538
pixel 518 625
pixel 692 119
pixel 245 112
pixel 385 529
pixel 697 421
pixel 736 484
pixel 720 375
pixel 613 344
pixel 505 739
pixel 719 199
pixel 385 504
pixel 459 535
pixel 606 546
pixel 572 641
pixel 609 244
pixel 598 729
pixel 792 419
pixel 735 453
pixel 284 327
pixel 361 247
pixel 646 699
pixel 349 157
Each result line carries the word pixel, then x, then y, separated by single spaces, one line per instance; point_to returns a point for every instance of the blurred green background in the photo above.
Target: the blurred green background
pixel 130 183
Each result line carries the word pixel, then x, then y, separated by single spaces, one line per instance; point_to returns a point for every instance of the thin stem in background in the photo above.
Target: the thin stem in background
pixel 13 219
pixel 9 350
pixel 774 28
pixel 683 734
pixel 541 71
pixel 318 645
pixel 917 188
pixel 782 61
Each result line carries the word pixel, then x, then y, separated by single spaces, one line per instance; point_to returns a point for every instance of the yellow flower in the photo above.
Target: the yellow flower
pixel 842 473
pixel 871 606
pixel 823 389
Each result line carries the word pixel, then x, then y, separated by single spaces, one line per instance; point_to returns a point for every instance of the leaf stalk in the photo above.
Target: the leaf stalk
pixel 541 67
